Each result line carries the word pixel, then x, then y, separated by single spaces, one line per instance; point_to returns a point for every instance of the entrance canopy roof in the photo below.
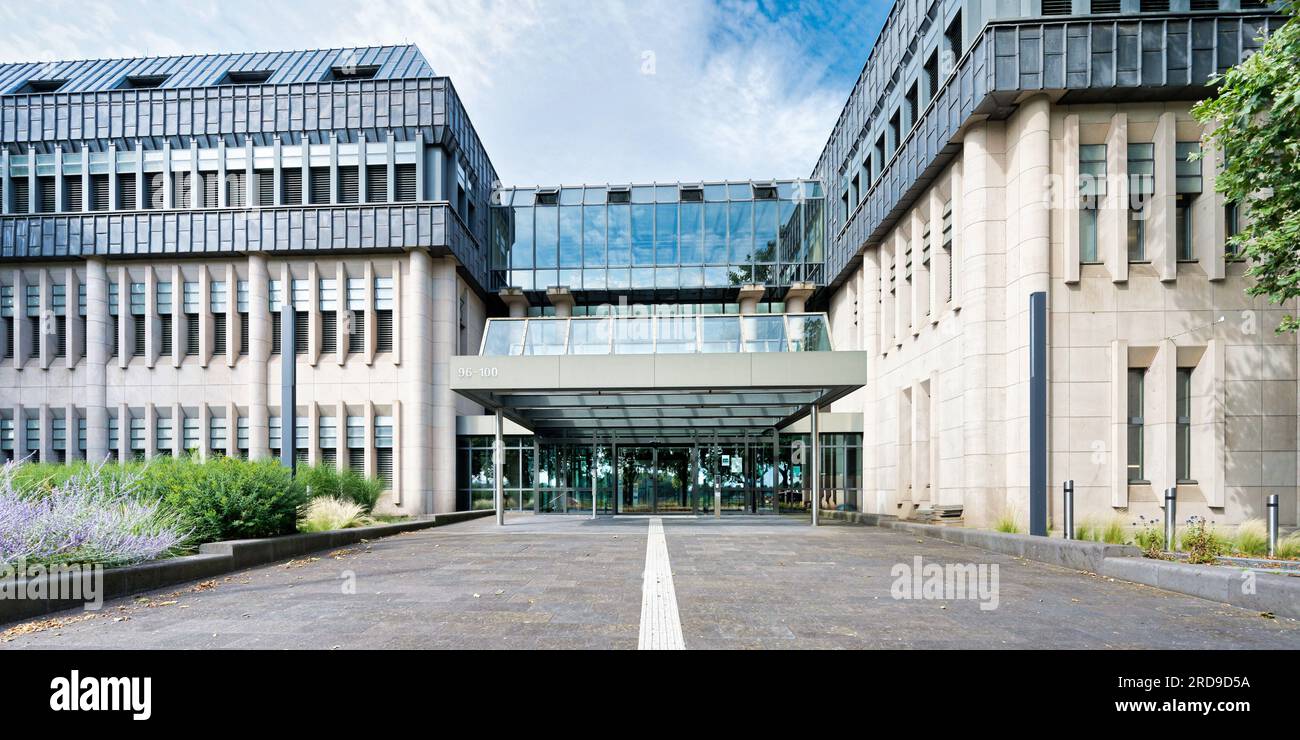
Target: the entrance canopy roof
pixel 663 384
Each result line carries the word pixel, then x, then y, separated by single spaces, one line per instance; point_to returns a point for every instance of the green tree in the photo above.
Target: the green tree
pixel 1256 117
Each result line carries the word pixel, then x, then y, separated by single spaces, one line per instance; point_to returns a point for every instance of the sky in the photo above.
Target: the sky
pixel 560 91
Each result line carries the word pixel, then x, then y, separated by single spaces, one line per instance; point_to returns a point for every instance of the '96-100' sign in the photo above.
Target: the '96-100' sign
pixel 477 372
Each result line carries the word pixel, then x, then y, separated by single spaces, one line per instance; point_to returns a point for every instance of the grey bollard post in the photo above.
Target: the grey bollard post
pixel 1272 525
pixel 1171 516
pixel 1069 509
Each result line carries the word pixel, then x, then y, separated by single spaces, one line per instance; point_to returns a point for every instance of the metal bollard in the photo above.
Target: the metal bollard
pixel 1272 525
pixel 1069 509
pixel 1171 518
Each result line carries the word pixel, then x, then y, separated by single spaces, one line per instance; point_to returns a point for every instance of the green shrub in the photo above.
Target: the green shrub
pixel 1251 537
pixel 1113 533
pixel 1007 523
pixel 1201 543
pixel 226 498
pixel 1288 547
pixel 327 513
pixel 326 480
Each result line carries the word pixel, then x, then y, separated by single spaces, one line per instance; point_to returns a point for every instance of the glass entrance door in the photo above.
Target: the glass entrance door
pixel 672 480
pixel 636 480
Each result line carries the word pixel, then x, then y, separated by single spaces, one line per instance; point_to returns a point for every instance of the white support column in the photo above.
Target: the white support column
pixel 1068 196
pixel 1161 226
pixel 150 429
pixel 98 344
pixel 442 320
pixel 418 417
pixel 498 455
pixel 1112 218
pixel 259 351
pixel 814 463
pixel 1119 423
pixel 1209 227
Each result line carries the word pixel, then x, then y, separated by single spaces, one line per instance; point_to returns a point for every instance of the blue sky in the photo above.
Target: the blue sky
pixel 561 91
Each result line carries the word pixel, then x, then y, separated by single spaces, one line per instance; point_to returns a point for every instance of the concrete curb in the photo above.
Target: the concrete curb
pixel 1277 594
pixel 213 559
pixel 1066 553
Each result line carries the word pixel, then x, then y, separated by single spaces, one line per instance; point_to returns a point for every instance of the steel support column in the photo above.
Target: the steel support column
pixel 814 464
pixel 498 455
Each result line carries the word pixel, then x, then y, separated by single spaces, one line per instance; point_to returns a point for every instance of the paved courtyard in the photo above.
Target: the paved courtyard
pixel 569 582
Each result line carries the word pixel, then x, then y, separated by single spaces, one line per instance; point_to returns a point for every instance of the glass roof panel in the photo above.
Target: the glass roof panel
pixel 633 336
pixel 662 334
pixel 764 333
pixel 809 333
pixel 589 336
pixel 546 337
pixel 504 338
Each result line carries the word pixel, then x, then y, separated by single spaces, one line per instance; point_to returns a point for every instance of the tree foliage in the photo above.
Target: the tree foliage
pixel 1256 118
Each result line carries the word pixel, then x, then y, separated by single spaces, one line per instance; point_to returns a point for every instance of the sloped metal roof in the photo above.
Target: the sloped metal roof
pixel 203 70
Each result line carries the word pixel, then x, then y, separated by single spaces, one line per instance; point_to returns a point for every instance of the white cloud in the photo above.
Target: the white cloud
pixel 561 91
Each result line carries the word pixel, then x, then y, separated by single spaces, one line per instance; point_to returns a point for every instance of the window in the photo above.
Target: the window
pixel 932 75
pixel 22 196
pixel 1205 4
pixel 947 246
pixel 291 186
pixel 300 329
pixel 329 440
pixel 33 437
pixel 45 195
pixel 141 82
pixel 896 129
pixel 1154 6
pixel 265 183
pixel 217 444
pixel 138 319
pixel 913 104
pixel 34 318
pixel 236 191
pixel 59 306
pixel 59 439
pixel 1183 228
pixel 7 312
pixel 1057 7
pixel 404 189
pixel 352 72
pixel 190 305
pixel 163 436
pixel 952 38
pixel 72 200
pixel 319 185
pixel 356 327
pixel 376 184
pixel 349 185
pixel 356 429
pixel 217 300
pixel 1105 6
pixel 1231 228
pixel 274 435
pixel 879 160
pixel 241 305
pixel 190 433
pixel 210 184
pixel 126 191
pixel 138 438
pixel 1184 424
pixel 1092 187
pixel 113 317
pixel 383 314
pixel 1136 381
pixel 164 299
pixel 99 192
pixel 276 329
pixel 181 190
pixel 1141 173
pixel 241 437
pixel 1187 166
pixel 155 192
pixel 40 87
pixel 246 77
pixel 328 315
pixel 384 450
pixel 301 438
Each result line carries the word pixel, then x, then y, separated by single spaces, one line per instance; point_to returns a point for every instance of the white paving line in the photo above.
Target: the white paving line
pixel 661 625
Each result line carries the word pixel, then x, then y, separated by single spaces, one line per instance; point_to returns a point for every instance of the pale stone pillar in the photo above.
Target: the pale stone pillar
pixel 1209 227
pixel 98 344
pixel 1068 195
pixel 76 324
pixel 749 297
pixel 562 298
pixel 515 302
pixel 441 306
pixel 259 351
pixel 416 434
pixel 1112 218
pixel 1119 423
pixel 1161 226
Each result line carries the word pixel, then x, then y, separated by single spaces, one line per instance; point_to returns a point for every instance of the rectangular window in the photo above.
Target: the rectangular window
pixel 190 305
pixel 349 185
pixel 190 433
pixel 1184 424
pixel 59 306
pixel 328 300
pixel 241 437
pixel 291 186
pixel 952 40
pixel 947 247
pixel 45 195
pixel 300 330
pixel 328 434
pixel 218 304
pixel 383 314
pixel 319 192
pixel 1092 187
pixel 1231 228
pixel 384 450
pixel 163 436
pixel 217 443
pixel 72 193
pixel 22 196
pixel 1136 420
pixel 211 185
pixel 1183 228
pixel 99 192
pixel 126 191
pixel 181 189
pixel 1141 174
pixel 376 184
pixel 241 304
pixel 404 186
pixel 155 190
pixel 913 105
pixel 265 180
pixel 236 190
pixel 276 329
pixel 356 431
pixel 138 439
pixel 932 75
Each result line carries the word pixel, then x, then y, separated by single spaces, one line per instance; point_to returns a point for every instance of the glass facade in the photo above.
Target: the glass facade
pixel 645 477
pixel 648 237
pixel 663 334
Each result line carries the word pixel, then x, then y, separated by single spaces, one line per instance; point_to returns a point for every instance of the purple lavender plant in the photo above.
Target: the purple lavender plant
pixel 93 517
